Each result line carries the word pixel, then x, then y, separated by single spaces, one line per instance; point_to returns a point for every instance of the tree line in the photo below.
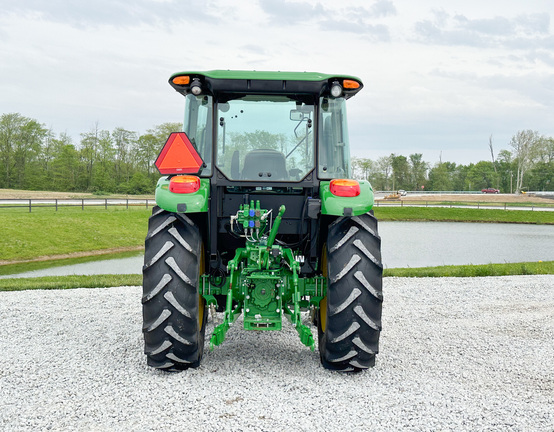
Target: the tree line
pixel 33 157
pixel 120 161
pixel 528 165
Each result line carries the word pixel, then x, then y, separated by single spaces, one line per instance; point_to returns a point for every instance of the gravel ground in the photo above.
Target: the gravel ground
pixel 456 354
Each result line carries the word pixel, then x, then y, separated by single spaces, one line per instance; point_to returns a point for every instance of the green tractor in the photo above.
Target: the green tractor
pixel 256 216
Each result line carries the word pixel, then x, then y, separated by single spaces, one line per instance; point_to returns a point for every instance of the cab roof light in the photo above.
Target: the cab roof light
pixel 345 187
pixel 181 80
pixel 336 89
pixel 196 87
pixel 184 184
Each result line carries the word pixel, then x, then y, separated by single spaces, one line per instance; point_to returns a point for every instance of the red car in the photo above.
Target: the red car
pixel 490 190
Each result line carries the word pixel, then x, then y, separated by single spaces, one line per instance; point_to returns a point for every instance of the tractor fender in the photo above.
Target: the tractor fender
pixel 196 202
pixel 346 206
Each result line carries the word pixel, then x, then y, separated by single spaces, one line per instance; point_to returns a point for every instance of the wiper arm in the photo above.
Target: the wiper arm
pixel 297 145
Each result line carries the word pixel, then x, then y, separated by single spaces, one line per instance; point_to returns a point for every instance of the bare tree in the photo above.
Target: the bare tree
pixel 492 153
pixel 362 168
pixel 494 163
pixel 525 145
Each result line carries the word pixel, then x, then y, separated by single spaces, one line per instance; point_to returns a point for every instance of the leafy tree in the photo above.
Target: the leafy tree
pixel 384 172
pixel 20 146
pixel 525 145
pixel 458 176
pixel 418 171
pixel 124 141
pixel 439 178
pixel 545 150
pixel 32 157
pixel 541 176
pixel 147 149
pixel 481 175
pixel 400 172
pixel 65 167
pixel 506 168
pixel 89 154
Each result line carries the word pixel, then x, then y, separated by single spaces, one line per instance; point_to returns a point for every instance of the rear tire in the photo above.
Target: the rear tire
pixel 349 321
pixel 174 313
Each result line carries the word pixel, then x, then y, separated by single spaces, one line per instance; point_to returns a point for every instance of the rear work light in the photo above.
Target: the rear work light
pixel 345 187
pixel 184 184
pixel 336 89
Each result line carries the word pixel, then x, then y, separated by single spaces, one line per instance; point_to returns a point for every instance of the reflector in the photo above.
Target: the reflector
pixel 178 156
pixel 345 187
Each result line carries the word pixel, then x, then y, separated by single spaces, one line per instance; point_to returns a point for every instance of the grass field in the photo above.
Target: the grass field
pixel 47 238
pixel 507 269
pixel 31 194
pixel 46 234
pixel 463 215
pixel 103 281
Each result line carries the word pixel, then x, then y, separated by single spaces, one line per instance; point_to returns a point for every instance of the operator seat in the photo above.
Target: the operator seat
pixel 265 164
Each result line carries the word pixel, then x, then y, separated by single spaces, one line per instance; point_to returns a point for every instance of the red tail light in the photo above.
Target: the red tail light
pixel 184 184
pixel 345 187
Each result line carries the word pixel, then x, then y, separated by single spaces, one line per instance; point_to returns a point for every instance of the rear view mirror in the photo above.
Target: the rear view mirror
pixel 296 115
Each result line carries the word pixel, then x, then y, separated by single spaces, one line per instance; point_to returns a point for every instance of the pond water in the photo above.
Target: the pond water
pixel 422 244
pixel 404 244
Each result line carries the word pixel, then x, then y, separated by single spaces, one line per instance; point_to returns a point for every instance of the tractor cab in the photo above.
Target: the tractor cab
pixel 251 127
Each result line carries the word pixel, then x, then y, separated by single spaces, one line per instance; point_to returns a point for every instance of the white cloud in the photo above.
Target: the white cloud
pixel 524 30
pixel 437 76
pixel 86 13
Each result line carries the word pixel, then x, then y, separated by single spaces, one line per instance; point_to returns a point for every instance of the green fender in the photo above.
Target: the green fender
pixel 196 202
pixel 346 206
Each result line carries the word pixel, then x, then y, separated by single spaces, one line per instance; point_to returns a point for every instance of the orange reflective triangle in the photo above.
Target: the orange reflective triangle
pixel 179 156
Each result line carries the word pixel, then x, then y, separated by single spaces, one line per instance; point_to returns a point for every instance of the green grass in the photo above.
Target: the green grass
pixel 500 205
pixel 47 232
pixel 66 282
pixel 507 269
pixel 102 281
pixel 463 215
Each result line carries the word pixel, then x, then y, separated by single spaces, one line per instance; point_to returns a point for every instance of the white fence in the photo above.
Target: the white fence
pixel 57 203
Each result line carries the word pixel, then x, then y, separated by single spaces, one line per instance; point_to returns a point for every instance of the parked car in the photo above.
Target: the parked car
pixel 490 190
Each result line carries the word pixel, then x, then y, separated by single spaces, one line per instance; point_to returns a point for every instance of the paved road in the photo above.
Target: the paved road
pixel 469 205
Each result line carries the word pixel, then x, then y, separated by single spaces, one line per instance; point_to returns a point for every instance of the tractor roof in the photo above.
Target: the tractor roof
pixel 262 82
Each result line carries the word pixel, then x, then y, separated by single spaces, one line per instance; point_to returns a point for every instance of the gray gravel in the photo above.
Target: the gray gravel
pixel 456 354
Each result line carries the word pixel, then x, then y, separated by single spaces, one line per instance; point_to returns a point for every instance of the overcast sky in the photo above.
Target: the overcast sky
pixel 439 77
